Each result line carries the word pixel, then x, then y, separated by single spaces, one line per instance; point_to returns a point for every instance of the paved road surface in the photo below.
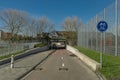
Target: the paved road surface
pixel 22 66
pixel 61 66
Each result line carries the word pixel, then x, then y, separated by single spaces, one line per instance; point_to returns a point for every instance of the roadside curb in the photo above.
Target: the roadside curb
pixel 100 76
pixel 35 66
pixel 88 61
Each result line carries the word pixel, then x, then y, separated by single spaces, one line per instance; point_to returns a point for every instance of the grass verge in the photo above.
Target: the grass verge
pixel 9 55
pixel 21 52
pixel 111 64
pixel 39 45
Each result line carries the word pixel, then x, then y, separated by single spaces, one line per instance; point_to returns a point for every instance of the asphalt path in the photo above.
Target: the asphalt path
pixel 61 65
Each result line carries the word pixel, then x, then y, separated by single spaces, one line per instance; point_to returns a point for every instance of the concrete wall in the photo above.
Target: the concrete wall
pixel 90 63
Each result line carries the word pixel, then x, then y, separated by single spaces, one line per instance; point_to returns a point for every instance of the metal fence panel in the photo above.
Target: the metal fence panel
pixel 118 27
pixel 6 48
pixel 90 37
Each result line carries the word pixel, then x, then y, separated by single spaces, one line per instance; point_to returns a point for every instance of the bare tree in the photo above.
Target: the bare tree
pixel 33 27
pixel 50 27
pixel 13 20
pixel 30 29
pixel 71 26
pixel 44 25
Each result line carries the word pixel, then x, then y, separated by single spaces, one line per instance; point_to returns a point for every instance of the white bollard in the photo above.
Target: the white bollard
pixel 63 64
pixel 12 61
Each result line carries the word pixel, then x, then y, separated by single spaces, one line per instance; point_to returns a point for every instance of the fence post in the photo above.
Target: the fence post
pixel 116 28
pixel 96 33
pixel 9 49
pixel 87 35
pixel 81 38
pixel 91 33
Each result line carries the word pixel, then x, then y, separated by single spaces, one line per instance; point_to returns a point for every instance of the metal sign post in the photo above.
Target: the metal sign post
pixel 102 26
pixel 101 49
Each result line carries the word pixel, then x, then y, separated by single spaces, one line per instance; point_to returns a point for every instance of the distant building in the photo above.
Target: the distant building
pixel 1 33
pixel 53 34
pixel 4 35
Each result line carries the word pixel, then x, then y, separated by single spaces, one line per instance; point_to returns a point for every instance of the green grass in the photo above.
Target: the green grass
pixel 21 52
pixel 111 64
pixel 39 45
pixel 3 49
pixel 9 55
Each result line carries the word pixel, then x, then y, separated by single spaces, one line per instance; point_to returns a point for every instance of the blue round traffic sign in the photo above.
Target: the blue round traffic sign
pixel 102 26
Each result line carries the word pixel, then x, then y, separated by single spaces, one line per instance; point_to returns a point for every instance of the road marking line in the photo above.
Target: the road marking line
pixel 26 76
pixel 63 64
pixel 61 57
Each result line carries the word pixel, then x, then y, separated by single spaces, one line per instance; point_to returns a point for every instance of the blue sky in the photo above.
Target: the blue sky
pixel 58 10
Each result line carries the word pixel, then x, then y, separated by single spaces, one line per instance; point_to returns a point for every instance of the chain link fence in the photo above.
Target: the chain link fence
pixel 90 37
pixel 7 48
